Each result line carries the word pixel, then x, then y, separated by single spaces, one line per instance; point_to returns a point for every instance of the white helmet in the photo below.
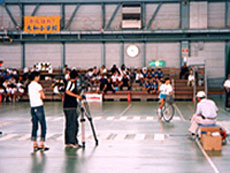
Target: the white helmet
pixel 201 94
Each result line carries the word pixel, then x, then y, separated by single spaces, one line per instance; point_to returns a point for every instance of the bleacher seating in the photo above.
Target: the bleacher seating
pixel 182 91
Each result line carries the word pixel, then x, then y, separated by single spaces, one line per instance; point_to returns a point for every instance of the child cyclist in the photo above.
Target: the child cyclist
pixel 165 89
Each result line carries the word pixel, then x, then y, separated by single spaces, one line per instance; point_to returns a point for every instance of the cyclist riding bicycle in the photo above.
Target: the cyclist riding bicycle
pixel 165 89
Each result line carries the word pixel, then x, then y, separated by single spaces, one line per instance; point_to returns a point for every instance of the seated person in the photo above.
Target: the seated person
pixel 102 83
pixel 20 93
pixel 139 77
pixel 109 85
pixel 152 73
pixel 125 82
pixel 145 72
pixel 206 113
pixel 2 93
pixel 159 73
pixel 191 79
pixel 146 86
pixel 165 89
pixel 153 86
pixel 114 78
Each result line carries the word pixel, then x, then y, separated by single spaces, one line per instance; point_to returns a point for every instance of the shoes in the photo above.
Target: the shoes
pixel 192 136
pixel 76 146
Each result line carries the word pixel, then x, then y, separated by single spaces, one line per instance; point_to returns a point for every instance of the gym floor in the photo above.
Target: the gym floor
pixel 131 139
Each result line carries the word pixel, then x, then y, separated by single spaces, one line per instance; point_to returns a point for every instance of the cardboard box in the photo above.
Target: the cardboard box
pixel 211 138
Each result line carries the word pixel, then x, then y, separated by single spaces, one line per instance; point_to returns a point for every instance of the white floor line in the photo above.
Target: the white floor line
pixel 110 118
pixel 207 157
pixel 180 113
pixel 139 137
pixel 149 118
pixel 126 109
pixel 123 118
pixel 97 118
pixel 24 137
pixel 120 137
pixel 136 118
pixel 9 136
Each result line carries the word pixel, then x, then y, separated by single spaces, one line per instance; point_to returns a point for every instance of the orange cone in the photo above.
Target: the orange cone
pixel 129 97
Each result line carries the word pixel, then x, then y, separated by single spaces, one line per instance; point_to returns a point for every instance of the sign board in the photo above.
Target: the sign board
pixel 42 24
pixel 157 63
pixel 196 61
pixel 93 97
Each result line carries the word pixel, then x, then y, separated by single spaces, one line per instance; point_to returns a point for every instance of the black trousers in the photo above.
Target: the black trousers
pixel 71 127
pixel 227 101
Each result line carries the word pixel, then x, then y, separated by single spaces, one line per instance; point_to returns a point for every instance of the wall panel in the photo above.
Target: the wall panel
pixel 216 15
pixel 83 55
pixel 112 54
pixel 43 53
pixel 168 17
pixel 215 54
pixel 169 52
pixel 11 55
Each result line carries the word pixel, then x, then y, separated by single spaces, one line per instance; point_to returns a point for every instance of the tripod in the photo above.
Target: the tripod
pixel 85 112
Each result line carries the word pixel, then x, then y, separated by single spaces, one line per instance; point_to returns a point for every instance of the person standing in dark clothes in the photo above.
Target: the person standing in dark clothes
pixel 70 110
pixel 184 72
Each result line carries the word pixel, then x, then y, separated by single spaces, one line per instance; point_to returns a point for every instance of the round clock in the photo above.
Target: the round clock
pixel 132 51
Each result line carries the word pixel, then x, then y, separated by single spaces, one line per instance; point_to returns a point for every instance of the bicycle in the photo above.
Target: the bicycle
pixel 168 109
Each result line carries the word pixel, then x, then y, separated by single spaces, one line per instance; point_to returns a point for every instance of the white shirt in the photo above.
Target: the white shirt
pixel 139 76
pixel 227 84
pixel 34 89
pixel 207 108
pixel 191 78
pixel 166 89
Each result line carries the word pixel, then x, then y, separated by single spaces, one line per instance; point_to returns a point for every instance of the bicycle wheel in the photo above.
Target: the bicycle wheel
pixel 168 112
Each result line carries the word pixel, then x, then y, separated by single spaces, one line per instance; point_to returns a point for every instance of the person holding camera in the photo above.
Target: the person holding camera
pixel 206 113
pixel 70 110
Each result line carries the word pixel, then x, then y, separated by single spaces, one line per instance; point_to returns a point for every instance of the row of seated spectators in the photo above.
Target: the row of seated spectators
pixel 115 79
pixel 12 85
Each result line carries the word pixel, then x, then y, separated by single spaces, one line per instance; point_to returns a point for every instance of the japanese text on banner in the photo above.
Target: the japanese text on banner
pixel 42 24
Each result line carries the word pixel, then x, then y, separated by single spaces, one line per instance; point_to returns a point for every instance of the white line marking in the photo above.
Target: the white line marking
pixel 159 137
pixel 176 118
pixel 9 136
pixel 136 118
pixel 207 157
pixel 180 113
pixel 126 109
pixel 110 118
pixel 24 137
pixel 123 118
pixel 120 137
pixel 139 137
pixel 97 118
pixel 59 118
pixel 60 138
pixel 149 118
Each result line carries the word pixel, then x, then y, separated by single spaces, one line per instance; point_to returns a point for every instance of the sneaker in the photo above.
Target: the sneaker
pixel 77 146
pixel 192 136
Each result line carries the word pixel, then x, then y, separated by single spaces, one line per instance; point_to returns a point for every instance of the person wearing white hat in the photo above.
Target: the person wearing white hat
pixel 206 112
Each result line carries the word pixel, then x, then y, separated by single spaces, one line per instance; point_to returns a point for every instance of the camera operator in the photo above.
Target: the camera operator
pixel 70 110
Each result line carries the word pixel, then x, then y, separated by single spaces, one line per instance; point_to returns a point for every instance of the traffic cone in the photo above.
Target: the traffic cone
pixel 129 97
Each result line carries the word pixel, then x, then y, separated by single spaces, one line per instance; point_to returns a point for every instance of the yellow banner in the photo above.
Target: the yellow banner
pixel 42 24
